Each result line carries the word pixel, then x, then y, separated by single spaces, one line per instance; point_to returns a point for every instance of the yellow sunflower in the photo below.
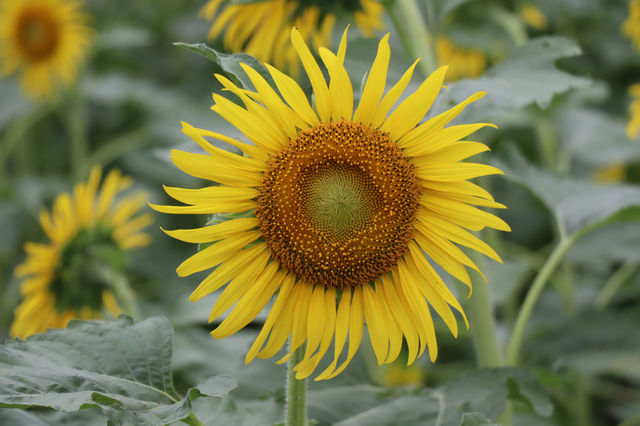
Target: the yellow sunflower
pixel 631 25
pixel 66 278
pixel 45 40
pixel 262 28
pixel 633 126
pixel 334 210
pixel 463 63
pixel 533 17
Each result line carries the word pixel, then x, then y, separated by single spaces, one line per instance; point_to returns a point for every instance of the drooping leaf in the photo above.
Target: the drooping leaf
pixel 528 75
pixel 576 204
pixel 230 63
pixel 120 367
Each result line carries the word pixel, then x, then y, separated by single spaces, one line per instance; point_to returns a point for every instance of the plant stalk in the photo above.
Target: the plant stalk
pixel 125 296
pixel 417 42
pixel 614 283
pixel 77 128
pixel 481 320
pixel 539 283
pixel 296 414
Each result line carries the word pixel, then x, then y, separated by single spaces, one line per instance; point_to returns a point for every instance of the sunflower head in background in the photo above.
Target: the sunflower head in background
pixel 44 40
pixel 333 210
pixel 71 275
pixel 262 28
pixel 462 62
pixel 631 25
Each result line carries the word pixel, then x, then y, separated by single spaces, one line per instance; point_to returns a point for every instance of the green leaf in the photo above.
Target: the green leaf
pixel 528 75
pixel 476 419
pixel 230 63
pixel 584 130
pixel 122 368
pixel 575 204
pixel 483 391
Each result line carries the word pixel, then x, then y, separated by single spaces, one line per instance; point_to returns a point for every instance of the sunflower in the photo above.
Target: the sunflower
pixel 45 40
pixel 631 25
pixel 533 17
pixel 334 211
pixel 633 126
pixel 88 232
pixel 262 28
pixel 463 63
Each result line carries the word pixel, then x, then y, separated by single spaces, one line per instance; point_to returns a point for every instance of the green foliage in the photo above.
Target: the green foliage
pixel 121 368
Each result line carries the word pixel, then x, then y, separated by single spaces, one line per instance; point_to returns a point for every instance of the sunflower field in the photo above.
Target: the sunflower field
pixel 320 212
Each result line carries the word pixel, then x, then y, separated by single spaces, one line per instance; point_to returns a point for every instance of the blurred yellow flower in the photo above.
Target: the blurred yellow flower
pixel 463 63
pixel 65 278
pixel 631 26
pixel 262 28
pixel 333 210
pixel 610 174
pixel 533 17
pixel 45 40
pixel 399 374
pixel 633 126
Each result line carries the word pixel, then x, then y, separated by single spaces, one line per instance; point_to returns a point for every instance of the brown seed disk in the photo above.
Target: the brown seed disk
pixel 37 34
pixel 307 184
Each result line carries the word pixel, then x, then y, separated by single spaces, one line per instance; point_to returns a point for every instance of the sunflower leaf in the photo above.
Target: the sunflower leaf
pixel 528 75
pixel 120 367
pixel 472 397
pixel 230 63
pixel 575 204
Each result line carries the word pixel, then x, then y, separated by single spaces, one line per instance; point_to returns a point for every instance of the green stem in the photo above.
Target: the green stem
pixel 124 296
pixel 77 131
pixel 532 297
pixel 192 420
pixel 296 392
pixel 615 282
pixel 482 322
pixel 512 24
pixel 408 22
pixel 548 143
pixel 15 133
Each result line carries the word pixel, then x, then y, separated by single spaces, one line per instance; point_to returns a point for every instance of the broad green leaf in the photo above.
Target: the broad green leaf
pixel 615 243
pixel 483 391
pixel 230 63
pixel 596 138
pixel 575 204
pixel 476 419
pixel 121 367
pixel 528 75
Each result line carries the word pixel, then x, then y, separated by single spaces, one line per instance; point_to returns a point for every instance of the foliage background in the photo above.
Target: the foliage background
pixel 560 99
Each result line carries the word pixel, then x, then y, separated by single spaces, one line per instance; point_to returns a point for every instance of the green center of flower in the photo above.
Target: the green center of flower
pixel 36 34
pixel 85 269
pixel 340 200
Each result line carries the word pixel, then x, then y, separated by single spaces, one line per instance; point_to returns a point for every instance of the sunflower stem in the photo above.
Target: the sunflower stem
pixel 14 135
pixel 77 131
pixel 296 414
pixel 417 42
pixel 533 294
pixel 482 322
pixel 124 296
pixel 616 281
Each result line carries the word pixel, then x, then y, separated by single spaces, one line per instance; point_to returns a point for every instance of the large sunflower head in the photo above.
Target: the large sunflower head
pixel 262 28
pixel 71 275
pixel 341 213
pixel 44 40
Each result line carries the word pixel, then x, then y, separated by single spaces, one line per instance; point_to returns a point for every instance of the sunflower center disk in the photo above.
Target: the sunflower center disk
pixel 337 205
pixel 37 34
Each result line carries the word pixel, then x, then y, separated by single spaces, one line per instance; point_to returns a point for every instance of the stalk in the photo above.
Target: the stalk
pixel 296 414
pixel 408 22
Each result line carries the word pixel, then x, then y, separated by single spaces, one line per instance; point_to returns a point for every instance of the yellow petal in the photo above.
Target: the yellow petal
pixel 374 87
pixel 413 109
pixel 392 97
pixel 214 232
pixel 378 331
